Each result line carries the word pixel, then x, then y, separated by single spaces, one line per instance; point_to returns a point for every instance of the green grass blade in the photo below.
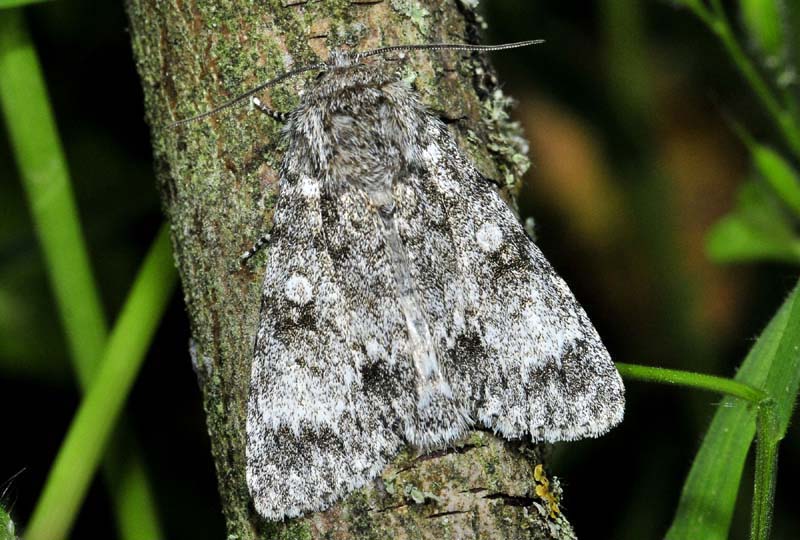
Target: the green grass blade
pixel 126 476
pixel 766 471
pixel 709 494
pixel 783 380
pixel 691 379
pixel 83 446
pixel 40 159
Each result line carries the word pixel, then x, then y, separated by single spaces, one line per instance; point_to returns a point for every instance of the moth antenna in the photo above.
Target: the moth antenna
pixel 448 47
pixel 383 50
pixel 238 99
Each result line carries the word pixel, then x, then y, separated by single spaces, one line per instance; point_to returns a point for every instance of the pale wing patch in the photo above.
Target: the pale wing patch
pixel 540 368
pixel 298 289
pixel 489 237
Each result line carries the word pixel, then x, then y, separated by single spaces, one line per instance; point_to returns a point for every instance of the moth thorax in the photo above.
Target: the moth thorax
pixel 366 151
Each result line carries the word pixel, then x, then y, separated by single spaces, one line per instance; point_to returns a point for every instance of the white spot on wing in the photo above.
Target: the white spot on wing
pixel 458 320
pixel 309 188
pixel 298 289
pixel 375 350
pixel 432 153
pixel 489 237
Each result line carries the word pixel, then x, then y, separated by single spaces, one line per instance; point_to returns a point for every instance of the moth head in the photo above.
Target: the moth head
pixel 340 59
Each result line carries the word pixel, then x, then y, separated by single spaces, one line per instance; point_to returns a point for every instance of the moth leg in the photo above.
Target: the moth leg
pixel 272 113
pixel 260 243
pixel 495 183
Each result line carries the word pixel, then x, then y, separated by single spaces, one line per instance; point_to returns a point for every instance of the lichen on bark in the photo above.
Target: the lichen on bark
pixel 218 184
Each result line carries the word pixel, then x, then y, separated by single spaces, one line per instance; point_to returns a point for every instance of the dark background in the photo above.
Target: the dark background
pixel 632 162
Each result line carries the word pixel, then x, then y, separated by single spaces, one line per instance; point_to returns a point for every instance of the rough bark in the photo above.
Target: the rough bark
pixel 218 184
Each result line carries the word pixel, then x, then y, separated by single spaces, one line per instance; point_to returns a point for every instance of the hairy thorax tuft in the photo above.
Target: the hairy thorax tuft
pixel 359 127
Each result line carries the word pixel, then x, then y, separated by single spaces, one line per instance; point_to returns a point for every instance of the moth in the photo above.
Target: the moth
pixel 403 302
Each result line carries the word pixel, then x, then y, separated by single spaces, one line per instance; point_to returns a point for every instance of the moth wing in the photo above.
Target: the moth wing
pixel 317 424
pixel 514 341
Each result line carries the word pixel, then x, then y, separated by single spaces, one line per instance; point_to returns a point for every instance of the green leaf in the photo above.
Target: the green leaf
pixel 709 494
pixel 19 3
pixel 792 24
pixel 7 529
pixel 757 229
pixel 762 20
pixel 779 174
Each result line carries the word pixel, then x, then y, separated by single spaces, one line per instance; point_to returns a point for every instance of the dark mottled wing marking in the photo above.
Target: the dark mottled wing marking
pixel 333 386
pixel 517 345
pixel 313 384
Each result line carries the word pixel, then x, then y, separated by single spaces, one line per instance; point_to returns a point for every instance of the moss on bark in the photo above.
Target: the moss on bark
pixel 218 184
